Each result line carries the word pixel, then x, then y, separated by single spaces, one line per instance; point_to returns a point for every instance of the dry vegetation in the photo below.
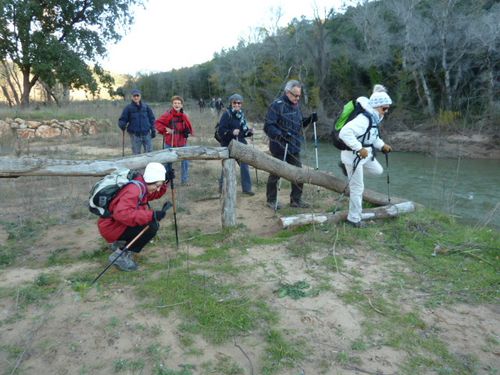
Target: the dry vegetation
pixel 251 300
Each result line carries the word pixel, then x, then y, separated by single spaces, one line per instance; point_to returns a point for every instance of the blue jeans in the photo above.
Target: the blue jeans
pixel 139 141
pixel 184 168
pixel 246 181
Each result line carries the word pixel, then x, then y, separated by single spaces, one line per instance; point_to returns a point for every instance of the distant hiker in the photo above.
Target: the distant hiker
pixel 212 105
pixel 361 135
pixel 201 104
pixel 138 120
pixel 176 128
pixel 283 125
pixel 233 125
pixel 219 105
pixel 130 214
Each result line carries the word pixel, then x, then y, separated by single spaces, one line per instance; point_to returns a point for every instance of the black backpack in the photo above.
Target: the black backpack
pixel 104 190
pixel 351 109
pixel 217 134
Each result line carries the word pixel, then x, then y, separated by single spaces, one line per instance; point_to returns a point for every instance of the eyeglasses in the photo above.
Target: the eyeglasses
pixel 385 109
pixel 237 103
pixel 296 96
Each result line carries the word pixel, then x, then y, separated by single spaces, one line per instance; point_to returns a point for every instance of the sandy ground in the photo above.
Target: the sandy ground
pixel 73 335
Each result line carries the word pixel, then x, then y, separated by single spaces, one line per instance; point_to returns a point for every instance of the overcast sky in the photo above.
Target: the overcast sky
pixel 169 35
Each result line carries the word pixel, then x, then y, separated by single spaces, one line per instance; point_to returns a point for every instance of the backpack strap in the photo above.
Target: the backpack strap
pixel 142 188
pixel 366 135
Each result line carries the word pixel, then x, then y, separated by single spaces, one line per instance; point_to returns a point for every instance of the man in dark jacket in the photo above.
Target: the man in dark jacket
pixel 138 120
pixel 283 125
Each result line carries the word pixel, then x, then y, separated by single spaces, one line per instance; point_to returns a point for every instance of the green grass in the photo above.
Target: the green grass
pixel 20 235
pixel 279 353
pixel 215 310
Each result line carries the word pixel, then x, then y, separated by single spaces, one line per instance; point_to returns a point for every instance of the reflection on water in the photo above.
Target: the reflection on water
pixel 468 189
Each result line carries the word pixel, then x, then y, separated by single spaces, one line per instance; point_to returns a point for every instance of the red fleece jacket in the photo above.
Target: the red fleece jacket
pixel 128 211
pixel 179 123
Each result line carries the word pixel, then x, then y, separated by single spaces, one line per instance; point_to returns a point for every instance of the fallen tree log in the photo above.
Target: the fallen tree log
pixel 383 212
pixel 29 166
pixel 268 163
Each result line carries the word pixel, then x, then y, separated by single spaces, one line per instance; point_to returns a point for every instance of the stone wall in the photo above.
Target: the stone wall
pixel 27 129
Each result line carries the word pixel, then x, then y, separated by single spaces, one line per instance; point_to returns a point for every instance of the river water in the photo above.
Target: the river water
pixel 466 188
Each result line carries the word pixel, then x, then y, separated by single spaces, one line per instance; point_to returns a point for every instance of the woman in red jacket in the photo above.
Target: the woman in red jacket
pixel 131 214
pixel 176 128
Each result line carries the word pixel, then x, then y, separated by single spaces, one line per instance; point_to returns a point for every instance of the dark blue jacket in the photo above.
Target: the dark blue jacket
pixel 283 124
pixel 228 123
pixel 139 118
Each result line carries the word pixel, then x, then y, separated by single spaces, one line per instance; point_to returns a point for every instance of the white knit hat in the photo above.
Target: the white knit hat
pixel 154 172
pixel 380 98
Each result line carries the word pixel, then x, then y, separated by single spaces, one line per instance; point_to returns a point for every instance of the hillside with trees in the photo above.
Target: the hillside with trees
pixel 439 59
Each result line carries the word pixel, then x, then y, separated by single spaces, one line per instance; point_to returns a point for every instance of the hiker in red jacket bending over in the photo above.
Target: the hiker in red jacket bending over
pixel 130 214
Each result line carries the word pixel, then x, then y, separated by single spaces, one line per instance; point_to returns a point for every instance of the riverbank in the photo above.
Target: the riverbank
pixel 470 146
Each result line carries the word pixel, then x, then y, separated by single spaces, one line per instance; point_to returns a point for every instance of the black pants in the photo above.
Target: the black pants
pixel 131 232
pixel 272 181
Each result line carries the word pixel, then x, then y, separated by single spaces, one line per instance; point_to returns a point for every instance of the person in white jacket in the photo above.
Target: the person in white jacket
pixel 362 140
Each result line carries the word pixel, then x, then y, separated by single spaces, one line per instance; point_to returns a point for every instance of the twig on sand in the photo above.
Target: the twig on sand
pixel 246 355
pixel 373 307
pixel 172 305
pixel 356 368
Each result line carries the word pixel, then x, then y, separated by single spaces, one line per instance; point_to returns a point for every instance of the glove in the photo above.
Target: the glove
pixel 166 206
pixel 386 149
pixel 249 133
pixel 186 133
pixel 170 174
pixel 363 153
pixel 153 133
pixel 314 117
pixel 158 215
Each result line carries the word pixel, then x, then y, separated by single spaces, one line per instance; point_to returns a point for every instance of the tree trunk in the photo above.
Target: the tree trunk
pixel 263 161
pixel 16 167
pixel 383 212
pixel 427 93
pixel 25 96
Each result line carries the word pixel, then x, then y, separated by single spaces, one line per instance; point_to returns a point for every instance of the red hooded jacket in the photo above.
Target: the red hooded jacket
pixel 127 211
pixel 179 122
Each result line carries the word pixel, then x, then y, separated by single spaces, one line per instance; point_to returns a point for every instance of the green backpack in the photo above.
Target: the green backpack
pixel 351 109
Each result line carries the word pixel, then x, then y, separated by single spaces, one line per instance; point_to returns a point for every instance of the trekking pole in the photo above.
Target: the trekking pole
pixel 388 182
pixel 279 182
pixel 172 189
pixel 256 174
pixel 123 142
pixel 316 148
pixel 124 250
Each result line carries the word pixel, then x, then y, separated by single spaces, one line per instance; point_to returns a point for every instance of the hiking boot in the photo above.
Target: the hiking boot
pixel 123 262
pixel 300 204
pixel 358 224
pixel 117 245
pixel 273 205
pixel 250 193
pixel 342 167
pixel 130 257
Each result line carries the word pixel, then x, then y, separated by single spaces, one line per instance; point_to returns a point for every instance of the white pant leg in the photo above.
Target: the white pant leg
pixel 373 167
pixel 356 187
pixel 356 181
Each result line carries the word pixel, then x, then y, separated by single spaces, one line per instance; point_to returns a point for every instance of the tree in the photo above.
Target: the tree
pixel 54 41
